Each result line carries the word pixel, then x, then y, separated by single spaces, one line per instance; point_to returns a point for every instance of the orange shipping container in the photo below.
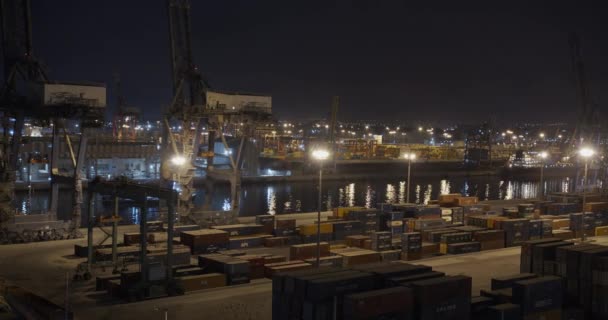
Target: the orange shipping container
pixel 448 198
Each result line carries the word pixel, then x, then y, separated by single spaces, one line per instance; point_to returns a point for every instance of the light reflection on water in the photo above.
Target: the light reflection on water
pixel 277 198
pixel 402 188
pixel 390 193
pixel 444 186
pixel 271 200
pixel 427 194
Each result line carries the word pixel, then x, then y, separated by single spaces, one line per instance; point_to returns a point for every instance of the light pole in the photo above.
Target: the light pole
pixel 586 153
pixel 320 155
pixel 178 161
pixel 409 156
pixel 543 156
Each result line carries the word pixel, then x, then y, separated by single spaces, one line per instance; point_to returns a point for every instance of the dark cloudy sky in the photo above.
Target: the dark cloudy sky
pixel 419 60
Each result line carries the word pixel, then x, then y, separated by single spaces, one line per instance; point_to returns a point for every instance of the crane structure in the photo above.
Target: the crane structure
pixel 27 92
pixel 126 118
pixel 587 128
pixel 196 106
pixel 587 132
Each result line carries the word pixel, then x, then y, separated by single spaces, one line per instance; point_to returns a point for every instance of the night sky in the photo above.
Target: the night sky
pixel 388 60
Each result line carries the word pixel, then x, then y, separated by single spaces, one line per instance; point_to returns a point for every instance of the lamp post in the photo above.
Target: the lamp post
pixel 178 161
pixel 320 155
pixel 409 156
pixel 543 156
pixel 586 153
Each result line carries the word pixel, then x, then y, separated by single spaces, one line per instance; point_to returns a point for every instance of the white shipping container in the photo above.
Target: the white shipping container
pixel 55 94
pixel 237 102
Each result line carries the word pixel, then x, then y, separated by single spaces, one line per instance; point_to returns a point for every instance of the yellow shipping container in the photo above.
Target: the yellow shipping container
pixel 342 211
pixel 601 231
pixel 311 229
pixel 492 221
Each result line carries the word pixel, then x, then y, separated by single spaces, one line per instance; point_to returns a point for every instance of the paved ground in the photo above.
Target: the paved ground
pixel 42 268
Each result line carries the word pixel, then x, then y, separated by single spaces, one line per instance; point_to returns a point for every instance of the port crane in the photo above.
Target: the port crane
pixel 587 125
pixel 28 92
pixel 588 129
pixel 190 111
pixel 126 118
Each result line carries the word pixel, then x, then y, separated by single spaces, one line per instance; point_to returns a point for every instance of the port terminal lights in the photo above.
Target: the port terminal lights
pixel 410 156
pixel 586 153
pixel 320 155
pixel 543 157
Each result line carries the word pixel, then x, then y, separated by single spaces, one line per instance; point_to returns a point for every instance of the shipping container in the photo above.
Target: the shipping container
pixel 285 223
pixel 508 281
pixel 205 240
pixel 479 306
pixel 505 311
pixel 443 298
pixel 499 296
pixel 390 255
pixel 407 280
pixel 242 242
pixel 538 294
pixel 392 303
pixel 464 247
pixel 526 258
pixel 275 241
pixel 267 223
pixel 307 251
pixel 360 257
pixel 543 253
pixel 411 243
pixel 516 231
pixel 202 281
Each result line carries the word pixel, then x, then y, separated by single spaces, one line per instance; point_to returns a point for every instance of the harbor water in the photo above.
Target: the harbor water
pixel 293 197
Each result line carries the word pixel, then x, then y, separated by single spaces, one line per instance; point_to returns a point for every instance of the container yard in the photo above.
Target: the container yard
pixel 468 259
pixel 392 161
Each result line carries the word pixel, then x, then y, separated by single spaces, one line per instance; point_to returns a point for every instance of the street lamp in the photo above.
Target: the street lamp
pixel 543 156
pixel 586 153
pixel 178 160
pixel 409 156
pixel 320 155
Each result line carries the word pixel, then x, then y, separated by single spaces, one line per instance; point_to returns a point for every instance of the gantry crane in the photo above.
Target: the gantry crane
pixel 588 129
pixel 587 125
pixel 191 109
pixel 27 92
pixel 126 119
